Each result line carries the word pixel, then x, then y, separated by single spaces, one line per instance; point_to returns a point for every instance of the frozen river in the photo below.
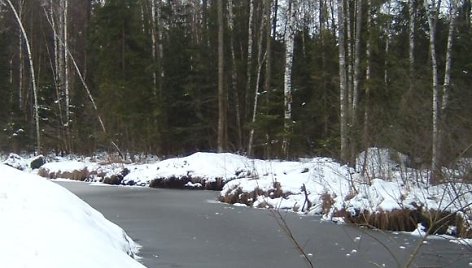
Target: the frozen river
pixel 189 229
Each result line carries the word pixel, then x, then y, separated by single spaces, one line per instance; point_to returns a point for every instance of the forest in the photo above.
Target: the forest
pixel 264 78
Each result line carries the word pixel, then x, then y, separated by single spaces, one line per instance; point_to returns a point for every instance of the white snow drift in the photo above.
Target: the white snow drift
pixel 42 225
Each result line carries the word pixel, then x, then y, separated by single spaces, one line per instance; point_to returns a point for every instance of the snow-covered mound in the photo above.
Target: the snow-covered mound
pixel 16 161
pixel 291 185
pixel 43 225
pixel 381 162
pixel 209 170
pixel 73 170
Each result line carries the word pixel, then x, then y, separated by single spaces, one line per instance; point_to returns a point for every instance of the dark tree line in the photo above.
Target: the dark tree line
pixel 268 78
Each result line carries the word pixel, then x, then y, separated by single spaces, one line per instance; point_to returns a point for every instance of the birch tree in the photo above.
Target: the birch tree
pixel 260 59
pixel 20 58
pixel 447 79
pixel 289 39
pixel 33 79
pixel 432 11
pixel 439 105
pixel 357 60
pixel 82 80
pixel 411 44
pixel 250 42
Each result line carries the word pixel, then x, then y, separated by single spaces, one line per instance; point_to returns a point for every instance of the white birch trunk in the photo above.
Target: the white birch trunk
pixel 20 59
pixel 249 52
pixel 66 65
pixel 349 61
pixel 432 19
pixel 33 79
pixel 448 65
pixel 289 39
pixel 260 59
pixel 447 76
pixel 61 55
pixel 368 52
pixel 357 60
pixel 87 90
pixel 411 42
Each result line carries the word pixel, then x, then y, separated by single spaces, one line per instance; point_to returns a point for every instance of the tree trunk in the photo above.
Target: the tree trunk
pixel 260 59
pixel 289 39
pixel 447 77
pixel 66 63
pixel 221 93
pixel 20 60
pixel 356 78
pixel 66 78
pixel 411 47
pixel 447 68
pixel 154 45
pixel 342 84
pixel 249 55
pixel 234 77
pixel 274 20
pixel 357 60
pixel 268 67
pixel 82 80
pixel 432 15
pixel 366 134
pixel 33 79
pixel 349 62
pixel 324 77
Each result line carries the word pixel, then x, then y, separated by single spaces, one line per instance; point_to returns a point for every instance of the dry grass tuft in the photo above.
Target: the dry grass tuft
pixel 327 202
pixel 77 175
pixel 435 222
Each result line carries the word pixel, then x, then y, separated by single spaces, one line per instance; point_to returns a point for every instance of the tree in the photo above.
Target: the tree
pixel 432 10
pixel 342 84
pixel 221 91
pixel 260 59
pixel 289 39
pixel 411 44
pixel 33 78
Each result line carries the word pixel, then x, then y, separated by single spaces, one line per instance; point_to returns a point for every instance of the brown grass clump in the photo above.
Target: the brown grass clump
pixel 327 202
pixel 171 182
pixel 216 185
pixel 435 222
pixel 77 175
pixel 238 196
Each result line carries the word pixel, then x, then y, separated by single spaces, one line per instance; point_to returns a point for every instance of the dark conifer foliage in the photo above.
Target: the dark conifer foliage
pixel 152 68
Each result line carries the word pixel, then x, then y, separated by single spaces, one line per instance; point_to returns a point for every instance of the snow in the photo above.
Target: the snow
pixel 16 161
pixel 204 166
pixel 44 225
pixel 65 166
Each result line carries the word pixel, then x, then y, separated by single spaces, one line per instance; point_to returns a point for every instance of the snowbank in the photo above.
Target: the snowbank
pixel 44 225
pixel 209 170
pixel 73 170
